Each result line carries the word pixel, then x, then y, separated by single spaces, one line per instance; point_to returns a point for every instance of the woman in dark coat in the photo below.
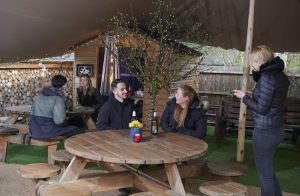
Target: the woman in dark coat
pixel 184 115
pixel 89 96
pixel 267 103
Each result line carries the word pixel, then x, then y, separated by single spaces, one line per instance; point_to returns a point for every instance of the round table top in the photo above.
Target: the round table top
pixel 114 146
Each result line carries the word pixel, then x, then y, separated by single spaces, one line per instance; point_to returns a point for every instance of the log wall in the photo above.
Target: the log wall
pixel 19 84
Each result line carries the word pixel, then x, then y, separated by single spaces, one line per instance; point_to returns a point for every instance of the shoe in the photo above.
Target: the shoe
pixel 123 192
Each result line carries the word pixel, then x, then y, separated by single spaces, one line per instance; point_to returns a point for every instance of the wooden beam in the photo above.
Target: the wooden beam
pixel 108 181
pixel 145 184
pixel 243 108
pixel 185 170
pixel 122 179
pixel 66 65
pixel 74 169
pixel 174 178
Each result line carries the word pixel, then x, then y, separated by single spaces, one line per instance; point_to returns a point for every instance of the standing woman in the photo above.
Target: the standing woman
pixel 89 96
pixel 184 115
pixel 267 103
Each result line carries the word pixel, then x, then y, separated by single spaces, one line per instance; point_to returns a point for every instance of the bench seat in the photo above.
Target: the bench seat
pixel 227 116
pixel 222 188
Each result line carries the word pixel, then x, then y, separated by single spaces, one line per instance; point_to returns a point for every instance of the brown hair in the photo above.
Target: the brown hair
pixel 90 85
pixel 180 113
pixel 261 53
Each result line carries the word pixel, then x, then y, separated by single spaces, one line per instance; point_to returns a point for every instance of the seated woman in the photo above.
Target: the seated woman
pixel 89 96
pixel 184 115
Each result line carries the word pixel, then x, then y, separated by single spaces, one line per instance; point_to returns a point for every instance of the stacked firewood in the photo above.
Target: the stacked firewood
pixel 20 86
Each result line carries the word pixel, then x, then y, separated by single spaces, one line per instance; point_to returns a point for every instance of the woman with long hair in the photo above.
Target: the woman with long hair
pixel 267 104
pixel 89 96
pixel 184 115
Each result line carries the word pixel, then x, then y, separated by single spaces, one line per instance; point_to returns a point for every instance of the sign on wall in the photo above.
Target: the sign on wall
pixel 85 69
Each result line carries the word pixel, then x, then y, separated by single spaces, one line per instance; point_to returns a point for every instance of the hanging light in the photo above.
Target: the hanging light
pixel 111 58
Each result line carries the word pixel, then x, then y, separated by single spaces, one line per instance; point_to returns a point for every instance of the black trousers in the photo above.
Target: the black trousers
pixel 265 143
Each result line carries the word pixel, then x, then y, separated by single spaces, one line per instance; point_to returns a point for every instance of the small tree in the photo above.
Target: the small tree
pixel 155 54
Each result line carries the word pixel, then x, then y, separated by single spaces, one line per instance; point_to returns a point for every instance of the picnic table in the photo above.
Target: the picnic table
pixel 5 132
pixel 83 112
pixel 114 146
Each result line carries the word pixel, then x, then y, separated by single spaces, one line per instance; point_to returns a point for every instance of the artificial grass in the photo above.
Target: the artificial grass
pixel 286 163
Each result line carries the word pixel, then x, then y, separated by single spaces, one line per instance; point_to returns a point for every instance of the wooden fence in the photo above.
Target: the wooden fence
pixel 219 85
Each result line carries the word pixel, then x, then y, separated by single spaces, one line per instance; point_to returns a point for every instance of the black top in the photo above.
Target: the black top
pixel 195 123
pixel 96 100
pixel 114 114
pixel 269 95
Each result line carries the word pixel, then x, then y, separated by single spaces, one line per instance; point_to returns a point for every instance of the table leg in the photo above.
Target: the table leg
pixel 88 122
pixel 174 178
pixel 12 119
pixel 3 145
pixel 74 169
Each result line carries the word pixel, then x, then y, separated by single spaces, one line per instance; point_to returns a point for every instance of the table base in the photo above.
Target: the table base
pixel 125 179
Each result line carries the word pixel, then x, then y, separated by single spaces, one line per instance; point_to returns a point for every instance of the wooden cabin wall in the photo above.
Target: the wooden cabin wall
pixel 161 100
pixel 86 55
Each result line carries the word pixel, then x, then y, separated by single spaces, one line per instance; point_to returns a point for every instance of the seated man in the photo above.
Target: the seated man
pixel 48 115
pixel 116 112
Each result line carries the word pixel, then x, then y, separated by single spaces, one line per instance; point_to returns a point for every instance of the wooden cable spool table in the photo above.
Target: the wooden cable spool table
pixel 114 146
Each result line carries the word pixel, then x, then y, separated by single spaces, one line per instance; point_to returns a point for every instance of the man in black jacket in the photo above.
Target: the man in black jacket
pixel 116 112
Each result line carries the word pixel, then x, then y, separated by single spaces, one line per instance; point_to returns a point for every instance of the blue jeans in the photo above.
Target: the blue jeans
pixel 265 143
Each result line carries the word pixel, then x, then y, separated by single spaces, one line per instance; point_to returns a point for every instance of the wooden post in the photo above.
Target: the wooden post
pixel 243 109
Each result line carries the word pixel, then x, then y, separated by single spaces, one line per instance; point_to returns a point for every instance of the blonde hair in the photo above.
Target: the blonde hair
pixel 261 54
pixel 90 90
pixel 180 113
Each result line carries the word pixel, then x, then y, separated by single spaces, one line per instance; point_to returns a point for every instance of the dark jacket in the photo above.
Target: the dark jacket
pixel 269 95
pixel 114 114
pixel 195 123
pixel 48 114
pixel 96 100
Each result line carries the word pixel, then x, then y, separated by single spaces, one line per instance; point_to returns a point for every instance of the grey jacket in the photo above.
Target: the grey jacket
pixel 48 114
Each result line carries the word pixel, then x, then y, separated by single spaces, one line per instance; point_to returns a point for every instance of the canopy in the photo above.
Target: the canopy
pixel 35 28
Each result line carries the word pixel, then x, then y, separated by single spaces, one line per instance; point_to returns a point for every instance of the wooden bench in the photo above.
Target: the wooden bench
pixel 166 193
pixel 224 188
pixel 64 158
pixel 38 171
pixel 224 170
pixel 228 116
pixel 65 190
pixel 61 156
pixel 5 133
pixel 25 139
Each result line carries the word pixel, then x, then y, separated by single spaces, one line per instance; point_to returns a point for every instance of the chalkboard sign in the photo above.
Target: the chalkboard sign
pixel 85 69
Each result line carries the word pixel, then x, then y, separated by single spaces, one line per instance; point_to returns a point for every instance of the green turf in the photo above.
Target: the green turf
pixel 286 163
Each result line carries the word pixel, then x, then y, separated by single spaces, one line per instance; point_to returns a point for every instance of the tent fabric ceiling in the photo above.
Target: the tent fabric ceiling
pixel 35 28
pixel 276 23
